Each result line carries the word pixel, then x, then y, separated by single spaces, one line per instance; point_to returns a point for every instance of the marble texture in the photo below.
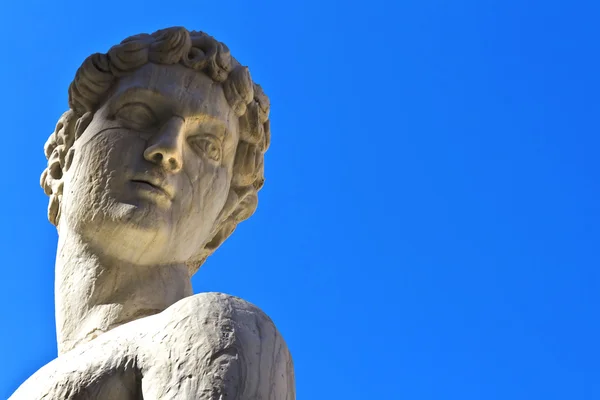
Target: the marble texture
pixel 208 346
pixel 157 160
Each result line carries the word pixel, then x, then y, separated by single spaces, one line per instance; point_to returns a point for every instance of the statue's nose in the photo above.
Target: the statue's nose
pixel 165 148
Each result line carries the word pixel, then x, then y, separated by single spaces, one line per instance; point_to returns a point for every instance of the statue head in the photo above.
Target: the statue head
pixel 160 155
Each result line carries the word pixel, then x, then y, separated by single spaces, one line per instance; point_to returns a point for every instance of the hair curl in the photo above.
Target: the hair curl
pixel 195 50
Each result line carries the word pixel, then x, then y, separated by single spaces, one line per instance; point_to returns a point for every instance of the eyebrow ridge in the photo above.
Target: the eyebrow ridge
pixel 123 95
pixel 131 91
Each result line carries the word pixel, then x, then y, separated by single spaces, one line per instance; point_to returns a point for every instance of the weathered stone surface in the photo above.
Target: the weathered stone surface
pixel 208 346
pixel 157 160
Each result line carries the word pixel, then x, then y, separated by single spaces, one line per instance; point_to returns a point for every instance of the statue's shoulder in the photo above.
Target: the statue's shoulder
pixel 229 342
pixel 215 313
pixel 215 305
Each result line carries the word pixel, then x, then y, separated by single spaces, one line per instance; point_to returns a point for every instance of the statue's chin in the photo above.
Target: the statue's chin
pixel 141 215
pixel 138 232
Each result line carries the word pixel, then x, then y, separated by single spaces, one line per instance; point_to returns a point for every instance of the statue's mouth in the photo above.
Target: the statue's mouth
pixel 152 187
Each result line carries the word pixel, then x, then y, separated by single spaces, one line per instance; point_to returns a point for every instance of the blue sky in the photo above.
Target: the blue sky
pixel 429 227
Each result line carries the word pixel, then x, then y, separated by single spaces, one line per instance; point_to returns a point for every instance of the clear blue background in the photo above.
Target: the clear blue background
pixel 429 227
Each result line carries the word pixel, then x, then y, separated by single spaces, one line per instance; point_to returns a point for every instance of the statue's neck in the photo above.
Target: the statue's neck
pixel 95 293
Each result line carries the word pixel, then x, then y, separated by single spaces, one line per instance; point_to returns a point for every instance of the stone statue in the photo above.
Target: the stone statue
pixel 157 160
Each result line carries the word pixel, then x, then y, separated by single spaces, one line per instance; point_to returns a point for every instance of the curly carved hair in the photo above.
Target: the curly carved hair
pixel 195 50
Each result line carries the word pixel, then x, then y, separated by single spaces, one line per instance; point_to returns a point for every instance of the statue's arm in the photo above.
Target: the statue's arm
pixel 104 368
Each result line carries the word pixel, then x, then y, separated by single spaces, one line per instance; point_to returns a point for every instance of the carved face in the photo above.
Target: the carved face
pixel 152 171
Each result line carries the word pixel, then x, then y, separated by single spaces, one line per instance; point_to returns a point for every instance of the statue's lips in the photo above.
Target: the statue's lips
pixel 152 187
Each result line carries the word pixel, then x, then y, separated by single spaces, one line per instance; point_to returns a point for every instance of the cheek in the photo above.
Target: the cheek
pixel 90 165
pixel 85 182
pixel 100 161
pixel 203 199
pixel 207 188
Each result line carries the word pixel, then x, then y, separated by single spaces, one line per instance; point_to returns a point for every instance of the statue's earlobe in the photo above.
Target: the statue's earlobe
pixel 54 209
pixel 226 230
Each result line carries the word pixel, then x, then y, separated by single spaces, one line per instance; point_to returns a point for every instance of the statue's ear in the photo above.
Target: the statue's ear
pixel 240 205
pixel 226 229
pixel 59 152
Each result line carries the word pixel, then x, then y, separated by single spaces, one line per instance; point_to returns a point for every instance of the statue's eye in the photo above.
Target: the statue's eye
pixel 136 116
pixel 207 145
